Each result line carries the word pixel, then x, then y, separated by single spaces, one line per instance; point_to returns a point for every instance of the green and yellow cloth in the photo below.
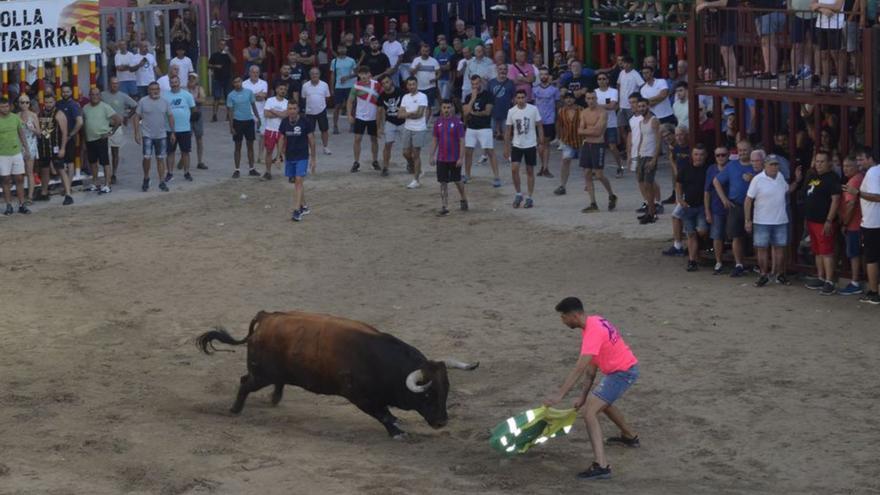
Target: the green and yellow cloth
pixel 519 433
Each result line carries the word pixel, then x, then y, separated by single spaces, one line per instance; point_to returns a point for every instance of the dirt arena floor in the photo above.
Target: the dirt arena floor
pixel 103 392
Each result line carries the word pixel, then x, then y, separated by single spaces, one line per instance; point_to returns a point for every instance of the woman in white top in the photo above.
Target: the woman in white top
pixel 31 125
pixel 829 31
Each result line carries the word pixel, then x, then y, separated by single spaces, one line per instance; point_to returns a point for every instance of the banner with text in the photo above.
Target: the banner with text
pixel 46 29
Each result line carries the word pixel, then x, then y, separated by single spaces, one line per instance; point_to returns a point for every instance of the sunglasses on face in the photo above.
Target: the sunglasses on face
pixel 24 102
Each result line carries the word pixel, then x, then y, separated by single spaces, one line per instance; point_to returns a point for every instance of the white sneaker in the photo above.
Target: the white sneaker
pixel 833 84
pixel 77 176
pixel 414 185
pixel 104 190
pixel 327 151
pixel 484 159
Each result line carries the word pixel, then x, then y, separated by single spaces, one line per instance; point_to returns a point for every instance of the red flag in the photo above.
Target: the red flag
pixel 309 11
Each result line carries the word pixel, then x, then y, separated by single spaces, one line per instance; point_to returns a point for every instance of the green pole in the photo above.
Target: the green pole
pixel 649 45
pixel 634 48
pixel 588 34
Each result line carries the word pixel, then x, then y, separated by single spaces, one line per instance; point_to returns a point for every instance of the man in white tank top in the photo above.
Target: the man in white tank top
pixel 648 151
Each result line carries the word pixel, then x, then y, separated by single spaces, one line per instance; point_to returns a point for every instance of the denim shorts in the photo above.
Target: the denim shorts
pixel 771 23
pixel 569 153
pixel 154 147
pixel 693 219
pixel 853 243
pixel 718 232
pixel 770 235
pixel 614 385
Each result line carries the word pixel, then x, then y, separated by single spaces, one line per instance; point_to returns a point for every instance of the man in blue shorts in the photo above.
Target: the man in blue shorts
pixel 343 76
pixel 603 349
pixel 298 153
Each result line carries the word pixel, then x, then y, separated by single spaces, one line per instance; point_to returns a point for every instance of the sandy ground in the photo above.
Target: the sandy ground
pixel 103 392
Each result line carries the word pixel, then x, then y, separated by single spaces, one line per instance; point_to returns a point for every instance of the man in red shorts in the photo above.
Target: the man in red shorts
pixel 820 210
pixel 602 348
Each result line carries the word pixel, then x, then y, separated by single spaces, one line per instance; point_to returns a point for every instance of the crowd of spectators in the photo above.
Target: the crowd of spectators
pixel 737 190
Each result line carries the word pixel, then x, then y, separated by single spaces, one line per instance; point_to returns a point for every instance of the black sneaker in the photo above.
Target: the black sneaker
pixel 68 200
pixel 623 441
pixel 648 219
pixel 236 174
pixel 187 176
pixel 163 186
pixel 376 165
pixel 291 180
pixel 670 200
pixel 385 172
pixel 718 269
pixel 355 167
pixel 870 297
pixel 692 266
pixel 782 280
pixel 202 166
pixel 559 191
pixel 24 210
pixel 591 209
pixel 464 205
pixel 443 212
pixel 738 271
pixel 612 202
pixel 595 472
pixel 9 209
pixel 761 282
pixel 169 177
pixel 267 176
pixel 815 284
pixel 643 208
pixel 253 172
pixel 517 200
pixel 146 185
pixel 829 289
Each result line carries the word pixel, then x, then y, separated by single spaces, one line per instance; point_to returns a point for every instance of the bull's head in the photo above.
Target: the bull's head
pixel 430 385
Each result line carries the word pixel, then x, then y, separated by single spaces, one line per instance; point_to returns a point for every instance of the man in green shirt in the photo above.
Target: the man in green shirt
pixel 101 121
pixel 12 147
pixel 472 40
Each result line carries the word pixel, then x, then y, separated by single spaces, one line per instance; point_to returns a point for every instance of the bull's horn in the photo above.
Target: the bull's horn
pixel 412 382
pixel 458 365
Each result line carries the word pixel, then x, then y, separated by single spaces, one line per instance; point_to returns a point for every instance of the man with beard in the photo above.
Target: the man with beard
pixel 477 112
pixel 390 124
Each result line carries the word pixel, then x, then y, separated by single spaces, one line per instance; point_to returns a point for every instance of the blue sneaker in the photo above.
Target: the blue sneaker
pixel 674 251
pixel 297 216
pixel 517 200
pixel 496 182
pixel 305 210
pixel 804 72
pixel 738 271
pixel 851 289
pixel 529 203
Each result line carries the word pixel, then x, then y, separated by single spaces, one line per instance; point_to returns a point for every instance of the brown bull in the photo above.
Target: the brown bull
pixel 336 356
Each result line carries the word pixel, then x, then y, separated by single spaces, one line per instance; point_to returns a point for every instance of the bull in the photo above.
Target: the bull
pixel 329 355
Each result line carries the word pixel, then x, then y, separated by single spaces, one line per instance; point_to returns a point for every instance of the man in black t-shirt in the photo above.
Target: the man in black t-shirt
pixel 821 203
pixel 220 64
pixel 292 77
pixel 302 51
pixel 377 61
pixel 389 124
pixel 353 50
pixel 477 113
pixel 690 187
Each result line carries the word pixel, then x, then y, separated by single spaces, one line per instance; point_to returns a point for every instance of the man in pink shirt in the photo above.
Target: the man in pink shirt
pixel 602 348
pixel 523 74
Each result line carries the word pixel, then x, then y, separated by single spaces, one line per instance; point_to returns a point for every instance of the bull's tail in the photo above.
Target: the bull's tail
pixel 205 341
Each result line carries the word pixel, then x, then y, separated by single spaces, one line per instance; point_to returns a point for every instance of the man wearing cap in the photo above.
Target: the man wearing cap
pixel 602 349
pixel 769 223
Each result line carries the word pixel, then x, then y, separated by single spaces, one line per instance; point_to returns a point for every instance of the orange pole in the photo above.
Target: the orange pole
pixel 512 35
pixel 41 82
pixel 525 35
pixel 74 82
pixel 603 49
pixel 5 76
pixel 57 78
pixel 664 56
pixel 93 72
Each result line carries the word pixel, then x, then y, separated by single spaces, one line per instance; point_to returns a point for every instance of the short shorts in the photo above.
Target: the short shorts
pixel 270 140
pixel 483 137
pixel 182 140
pixel 413 139
pixel 549 131
pixel 612 136
pixel 448 172
pixel 220 89
pixel 821 244
pixel 736 222
pixel 771 23
pixel 12 165
pixel 613 386
pixel 244 129
pixel 592 156
pixel 803 30
pixel 569 153
pixel 853 37
pixel 829 39
pixel 340 96
pixel 871 245
pixel 529 155
pixel 644 172
pixel 623 116
pixel 693 220
pixel 319 121
pixel 718 229
pixel 154 147
pixel 98 152
pixel 431 93
pixel 365 126
pixel 391 131
pixel 197 125
pixel 853 243
pixel 296 168
pixel 764 235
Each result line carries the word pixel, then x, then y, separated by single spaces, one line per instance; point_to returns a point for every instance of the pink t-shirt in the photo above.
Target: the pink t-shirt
pixel 516 70
pixel 602 340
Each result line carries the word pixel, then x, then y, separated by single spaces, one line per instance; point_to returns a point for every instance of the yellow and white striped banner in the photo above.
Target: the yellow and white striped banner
pixel 35 29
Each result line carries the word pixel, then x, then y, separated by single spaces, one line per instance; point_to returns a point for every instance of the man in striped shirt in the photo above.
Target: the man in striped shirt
pixel 363 103
pixel 446 155
pixel 567 130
